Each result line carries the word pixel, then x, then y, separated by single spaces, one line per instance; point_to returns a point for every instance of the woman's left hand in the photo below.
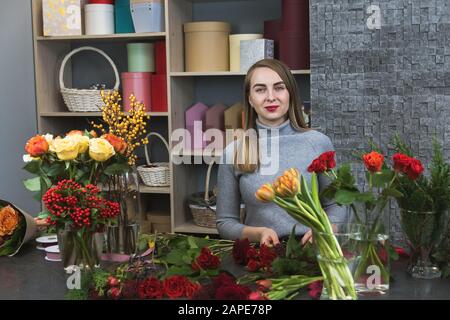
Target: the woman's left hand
pixel 307 237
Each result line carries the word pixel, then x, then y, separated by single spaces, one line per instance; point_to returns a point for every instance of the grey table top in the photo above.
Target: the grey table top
pixel 29 276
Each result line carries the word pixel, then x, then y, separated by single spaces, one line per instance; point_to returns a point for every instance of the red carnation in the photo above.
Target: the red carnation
pixel 415 169
pixel 150 288
pixel 373 161
pixel 240 249
pixel 328 158
pixel 317 166
pixel 401 161
pixel 174 286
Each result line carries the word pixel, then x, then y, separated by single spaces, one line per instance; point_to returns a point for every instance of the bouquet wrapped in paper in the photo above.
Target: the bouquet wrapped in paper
pixel 16 228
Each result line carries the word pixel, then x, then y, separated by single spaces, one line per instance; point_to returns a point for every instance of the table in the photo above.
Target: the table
pixel 29 276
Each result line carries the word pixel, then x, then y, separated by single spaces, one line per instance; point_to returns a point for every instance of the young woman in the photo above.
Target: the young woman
pixel 273 108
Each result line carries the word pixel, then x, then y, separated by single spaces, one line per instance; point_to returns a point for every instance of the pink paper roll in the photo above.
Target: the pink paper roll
pixel 139 84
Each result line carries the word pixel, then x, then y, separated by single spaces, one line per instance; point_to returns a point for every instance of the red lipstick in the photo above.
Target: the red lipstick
pixel 271 108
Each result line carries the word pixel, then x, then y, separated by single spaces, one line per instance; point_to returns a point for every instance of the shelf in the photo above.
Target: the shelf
pixel 191 227
pixel 147 189
pixel 107 37
pixel 92 114
pixel 223 73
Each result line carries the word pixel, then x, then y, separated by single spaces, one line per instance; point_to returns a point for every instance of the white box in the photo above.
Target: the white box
pixel 255 50
pixel 61 17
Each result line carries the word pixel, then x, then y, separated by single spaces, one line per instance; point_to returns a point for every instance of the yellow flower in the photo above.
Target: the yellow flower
pixel 100 149
pixel 9 219
pixel 81 141
pixel 265 193
pixel 65 149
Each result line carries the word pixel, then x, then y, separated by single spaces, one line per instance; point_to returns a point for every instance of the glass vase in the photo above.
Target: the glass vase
pixel 372 273
pixel 422 229
pixel 122 235
pixel 80 247
pixel 337 255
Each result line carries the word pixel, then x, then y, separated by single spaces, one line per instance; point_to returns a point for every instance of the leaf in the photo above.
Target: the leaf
pixel 67 165
pixel 345 197
pixel 55 170
pixel 117 168
pixel 391 192
pixel 293 247
pixel 192 243
pixel 33 166
pixel 175 257
pixel 345 176
pixel 315 190
pixel 47 183
pixel 380 179
pixel 33 184
pixel 365 197
pixel 183 270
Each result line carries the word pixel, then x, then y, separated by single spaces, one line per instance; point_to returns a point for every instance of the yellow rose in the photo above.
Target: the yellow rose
pixel 9 219
pixel 100 149
pixel 65 149
pixel 81 141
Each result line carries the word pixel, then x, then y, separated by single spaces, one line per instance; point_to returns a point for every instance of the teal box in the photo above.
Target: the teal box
pixel 123 19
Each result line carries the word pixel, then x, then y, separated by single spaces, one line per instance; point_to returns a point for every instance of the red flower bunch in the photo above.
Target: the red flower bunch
pixel 206 260
pixel 315 289
pixel 261 259
pixel 240 249
pixel 223 287
pixel 410 166
pixel 69 202
pixel 172 287
pixel 323 163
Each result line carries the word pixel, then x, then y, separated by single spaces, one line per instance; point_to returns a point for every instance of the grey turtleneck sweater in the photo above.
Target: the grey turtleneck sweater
pixel 296 150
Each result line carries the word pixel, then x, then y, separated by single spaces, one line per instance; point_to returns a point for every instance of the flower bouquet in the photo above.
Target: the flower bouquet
pixel 291 192
pixel 79 214
pixel 16 228
pixel 424 210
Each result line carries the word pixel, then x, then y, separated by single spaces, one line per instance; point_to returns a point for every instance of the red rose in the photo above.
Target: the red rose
pixel 253 265
pixel 233 292
pixel 240 248
pixel 328 158
pixel 207 260
pixel 401 162
pixel 252 253
pixel 415 169
pixel 317 166
pixel 191 289
pixel 373 161
pixel 175 286
pixel 113 281
pixel 36 146
pixel 266 256
pixel 207 292
pixel 150 288
pixel 223 279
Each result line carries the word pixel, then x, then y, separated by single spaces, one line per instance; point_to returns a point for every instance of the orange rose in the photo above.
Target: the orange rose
pixel 373 161
pixel 120 146
pixel 9 219
pixel 75 132
pixel 36 146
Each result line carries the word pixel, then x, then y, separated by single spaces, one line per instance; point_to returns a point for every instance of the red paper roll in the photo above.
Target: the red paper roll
pixel 294 50
pixel 160 57
pixel 295 15
pixel 272 29
pixel 159 93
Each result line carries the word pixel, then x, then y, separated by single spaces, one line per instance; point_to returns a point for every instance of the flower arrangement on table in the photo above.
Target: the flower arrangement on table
pixel 424 209
pixel 81 213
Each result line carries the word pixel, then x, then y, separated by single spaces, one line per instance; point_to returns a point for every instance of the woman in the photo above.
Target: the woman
pixel 273 108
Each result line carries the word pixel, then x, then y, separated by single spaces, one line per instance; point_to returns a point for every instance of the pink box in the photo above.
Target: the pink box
pixel 196 113
pixel 138 84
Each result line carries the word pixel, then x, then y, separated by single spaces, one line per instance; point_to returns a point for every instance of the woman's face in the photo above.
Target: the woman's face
pixel 269 96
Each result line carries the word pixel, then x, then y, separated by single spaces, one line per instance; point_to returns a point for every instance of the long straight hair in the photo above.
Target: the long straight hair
pixel 246 156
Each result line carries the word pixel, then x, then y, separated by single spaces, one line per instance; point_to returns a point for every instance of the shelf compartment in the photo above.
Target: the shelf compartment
pixel 191 227
pixel 224 73
pixel 107 37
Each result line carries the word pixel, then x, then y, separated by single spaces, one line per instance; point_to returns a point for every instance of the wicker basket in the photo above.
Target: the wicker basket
pixel 83 100
pixel 155 174
pixel 203 205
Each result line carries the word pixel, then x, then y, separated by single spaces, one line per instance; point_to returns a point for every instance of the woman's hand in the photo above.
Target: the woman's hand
pixel 269 237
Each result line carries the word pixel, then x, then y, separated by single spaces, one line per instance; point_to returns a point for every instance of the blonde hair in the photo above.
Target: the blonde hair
pixel 246 156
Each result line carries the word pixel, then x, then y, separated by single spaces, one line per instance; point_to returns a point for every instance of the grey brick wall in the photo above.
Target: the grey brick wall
pixel 370 83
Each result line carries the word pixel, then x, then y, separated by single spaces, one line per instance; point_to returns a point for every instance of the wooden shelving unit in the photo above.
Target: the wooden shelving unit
pixel 184 88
